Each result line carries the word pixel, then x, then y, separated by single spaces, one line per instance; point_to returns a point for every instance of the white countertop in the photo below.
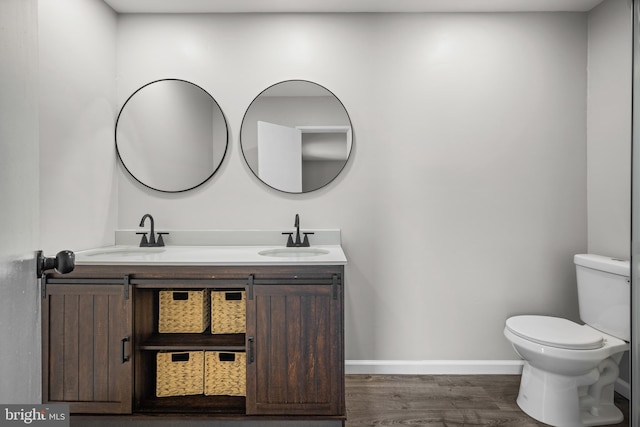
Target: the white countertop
pixel 212 255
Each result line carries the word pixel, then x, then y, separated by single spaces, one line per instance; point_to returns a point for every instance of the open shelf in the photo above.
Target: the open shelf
pixel 193 404
pixel 146 400
pixel 189 342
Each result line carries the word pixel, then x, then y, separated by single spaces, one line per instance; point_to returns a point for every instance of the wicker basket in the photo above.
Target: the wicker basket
pixel 228 312
pixel 183 311
pixel 180 374
pixel 225 373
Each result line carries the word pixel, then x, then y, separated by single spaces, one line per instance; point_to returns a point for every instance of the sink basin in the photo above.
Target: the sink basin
pixel 293 252
pixel 125 252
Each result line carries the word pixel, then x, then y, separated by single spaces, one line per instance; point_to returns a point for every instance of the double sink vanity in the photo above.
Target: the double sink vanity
pixel 101 340
pixel 106 350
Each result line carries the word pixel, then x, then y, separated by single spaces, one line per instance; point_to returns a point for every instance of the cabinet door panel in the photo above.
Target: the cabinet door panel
pixel 83 329
pixel 297 365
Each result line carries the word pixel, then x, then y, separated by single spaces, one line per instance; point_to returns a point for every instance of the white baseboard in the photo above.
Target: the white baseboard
pixel 434 367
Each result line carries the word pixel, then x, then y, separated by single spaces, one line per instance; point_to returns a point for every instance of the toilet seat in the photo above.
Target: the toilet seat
pixel 555 332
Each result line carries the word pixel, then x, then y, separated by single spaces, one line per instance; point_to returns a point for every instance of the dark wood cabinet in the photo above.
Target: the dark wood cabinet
pixel 295 350
pixel 87 334
pixel 101 340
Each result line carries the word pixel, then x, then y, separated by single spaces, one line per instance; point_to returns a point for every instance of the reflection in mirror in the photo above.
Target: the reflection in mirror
pixel 171 135
pixel 296 136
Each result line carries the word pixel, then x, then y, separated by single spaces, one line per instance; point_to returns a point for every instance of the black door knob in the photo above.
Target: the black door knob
pixel 64 262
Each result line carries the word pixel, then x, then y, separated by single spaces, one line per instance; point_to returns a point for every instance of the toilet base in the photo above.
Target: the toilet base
pixel 556 399
pixel 609 414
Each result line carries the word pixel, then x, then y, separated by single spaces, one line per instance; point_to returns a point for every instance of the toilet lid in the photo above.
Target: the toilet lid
pixel 555 332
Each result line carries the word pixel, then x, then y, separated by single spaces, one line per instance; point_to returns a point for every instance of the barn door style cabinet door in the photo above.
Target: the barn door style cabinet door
pixel 86 344
pixel 295 361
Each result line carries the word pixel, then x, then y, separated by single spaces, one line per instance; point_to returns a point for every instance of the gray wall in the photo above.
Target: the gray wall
pixel 78 189
pixel 609 134
pixel 609 129
pixel 466 195
pixel 19 298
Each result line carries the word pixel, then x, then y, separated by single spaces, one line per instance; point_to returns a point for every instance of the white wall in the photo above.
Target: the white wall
pixel 78 192
pixel 609 129
pixel 465 197
pixel 609 134
pixel 20 355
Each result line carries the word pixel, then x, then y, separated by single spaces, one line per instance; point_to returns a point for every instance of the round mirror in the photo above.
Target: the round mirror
pixel 171 135
pixel 296 136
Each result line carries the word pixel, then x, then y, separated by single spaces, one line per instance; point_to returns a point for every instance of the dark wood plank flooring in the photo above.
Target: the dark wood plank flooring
pixel 440 401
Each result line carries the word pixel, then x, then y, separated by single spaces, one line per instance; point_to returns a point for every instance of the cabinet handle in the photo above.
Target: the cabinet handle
pixel 124 357
pixel 250 350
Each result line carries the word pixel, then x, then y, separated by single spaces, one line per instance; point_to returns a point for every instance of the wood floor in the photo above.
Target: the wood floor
pixel 440 401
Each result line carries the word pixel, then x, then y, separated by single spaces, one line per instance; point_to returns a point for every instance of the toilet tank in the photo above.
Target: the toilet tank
pixel 604 294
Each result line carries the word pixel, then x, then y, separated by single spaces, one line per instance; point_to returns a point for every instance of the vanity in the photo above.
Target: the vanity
pixel 214 327
pixel 104 347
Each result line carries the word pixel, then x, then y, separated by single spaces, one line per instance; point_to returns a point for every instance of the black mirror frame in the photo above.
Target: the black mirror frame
pixel 226 147
pixel 255 173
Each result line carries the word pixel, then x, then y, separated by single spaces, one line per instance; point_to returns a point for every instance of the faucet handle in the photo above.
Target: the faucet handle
pixel 289 240
pixel 160 240
pixel 144 242
pixel 305 241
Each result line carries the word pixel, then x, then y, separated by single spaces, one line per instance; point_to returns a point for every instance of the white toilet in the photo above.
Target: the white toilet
pixel 570 369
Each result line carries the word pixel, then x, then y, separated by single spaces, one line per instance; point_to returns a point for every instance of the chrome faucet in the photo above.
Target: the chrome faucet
pixel 151 241
pixel 297 243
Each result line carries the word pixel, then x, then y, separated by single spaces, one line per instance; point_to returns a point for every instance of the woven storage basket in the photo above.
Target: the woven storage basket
pixel 180 374
pixel 183 311
pixel 228 312
pixel 225 373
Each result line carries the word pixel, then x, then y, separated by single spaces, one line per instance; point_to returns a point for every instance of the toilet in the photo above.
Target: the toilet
pixel 569 368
